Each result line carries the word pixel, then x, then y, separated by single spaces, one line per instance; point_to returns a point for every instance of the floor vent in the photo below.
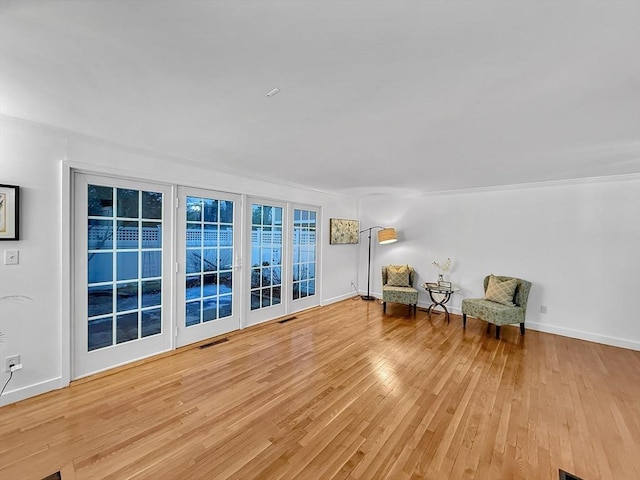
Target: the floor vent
pixel 285 320
pixel 568 476
pixel 216 342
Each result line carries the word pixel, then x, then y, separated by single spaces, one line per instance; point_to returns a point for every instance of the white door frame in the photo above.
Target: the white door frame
pixel 86 362
pixel 70 259
pixel 314 300
pixel 187 335
pixel 253 317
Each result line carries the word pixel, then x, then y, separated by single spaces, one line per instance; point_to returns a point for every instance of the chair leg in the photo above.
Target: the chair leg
pixel 497 331
pixel 415 309
pixel 410 309
pixel 464 321
pixel 488 327
pixel 522 328
pixel 384 307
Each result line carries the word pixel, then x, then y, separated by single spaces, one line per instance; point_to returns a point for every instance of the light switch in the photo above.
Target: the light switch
pixel 11 257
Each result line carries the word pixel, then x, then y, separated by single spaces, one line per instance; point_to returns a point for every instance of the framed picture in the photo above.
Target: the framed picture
pixel 9 212
pixel 343 231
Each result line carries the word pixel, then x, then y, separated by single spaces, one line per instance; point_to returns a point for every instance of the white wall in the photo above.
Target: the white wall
pixel 30 292
pixel 577 242
pixel 34 295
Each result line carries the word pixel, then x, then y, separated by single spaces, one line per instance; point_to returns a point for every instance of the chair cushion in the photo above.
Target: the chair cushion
pixel 406 295
pixel 492 312
pixel 398 276
pixel 501 291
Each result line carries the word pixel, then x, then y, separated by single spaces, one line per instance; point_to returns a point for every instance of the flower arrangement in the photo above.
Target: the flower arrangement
pixel 444 266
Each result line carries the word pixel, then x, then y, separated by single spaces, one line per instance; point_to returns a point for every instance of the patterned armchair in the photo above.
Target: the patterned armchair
pixel 505 302
pixel 397 286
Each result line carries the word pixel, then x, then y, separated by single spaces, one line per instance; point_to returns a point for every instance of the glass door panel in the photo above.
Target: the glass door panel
pixel 304 259
pixel 207 277
pixel 267 256
pixel 121 291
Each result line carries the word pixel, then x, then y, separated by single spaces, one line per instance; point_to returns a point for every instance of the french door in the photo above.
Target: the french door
pixel 145 274
pixel 266 250
pixel 208 275
pixel 304 258
pixel 122 272
pixel 283 252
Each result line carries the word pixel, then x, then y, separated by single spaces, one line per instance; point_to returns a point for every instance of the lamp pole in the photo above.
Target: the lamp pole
pixel 368 295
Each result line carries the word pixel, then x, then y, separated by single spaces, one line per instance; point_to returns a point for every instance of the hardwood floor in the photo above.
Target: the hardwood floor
pixel 343 392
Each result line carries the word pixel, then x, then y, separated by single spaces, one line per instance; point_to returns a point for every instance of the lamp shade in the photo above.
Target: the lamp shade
pixel 387 235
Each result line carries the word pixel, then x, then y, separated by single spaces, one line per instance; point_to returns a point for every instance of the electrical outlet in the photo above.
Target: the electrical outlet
pixel 11 257
pixel 10 362
pixel 543 309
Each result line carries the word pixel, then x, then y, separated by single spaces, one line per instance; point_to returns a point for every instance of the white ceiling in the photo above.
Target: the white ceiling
pixel 376 96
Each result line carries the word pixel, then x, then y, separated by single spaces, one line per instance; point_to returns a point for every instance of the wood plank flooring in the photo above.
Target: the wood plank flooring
pixel 344 392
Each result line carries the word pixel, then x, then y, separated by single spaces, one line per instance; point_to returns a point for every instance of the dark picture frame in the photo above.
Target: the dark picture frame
pixel 9 212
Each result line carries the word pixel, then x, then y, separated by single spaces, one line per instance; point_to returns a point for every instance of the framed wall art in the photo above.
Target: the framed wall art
pixel 343 231
pixel 9 212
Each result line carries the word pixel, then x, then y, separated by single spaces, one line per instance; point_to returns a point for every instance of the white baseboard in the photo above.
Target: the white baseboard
pixel 564 332
pixel 22 393
pixel 339 298
pixel 453 310
pixel 580 335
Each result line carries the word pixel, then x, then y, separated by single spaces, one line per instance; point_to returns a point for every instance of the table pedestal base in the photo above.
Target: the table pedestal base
pixel 439 303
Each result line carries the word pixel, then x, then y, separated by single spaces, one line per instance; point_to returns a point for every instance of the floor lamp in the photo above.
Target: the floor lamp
pixel 385 235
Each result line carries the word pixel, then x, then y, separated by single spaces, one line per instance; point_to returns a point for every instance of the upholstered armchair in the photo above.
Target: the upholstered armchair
pixel 504 302
pixel 397 286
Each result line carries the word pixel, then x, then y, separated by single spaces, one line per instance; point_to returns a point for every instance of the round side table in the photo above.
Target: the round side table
pixel 443 292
